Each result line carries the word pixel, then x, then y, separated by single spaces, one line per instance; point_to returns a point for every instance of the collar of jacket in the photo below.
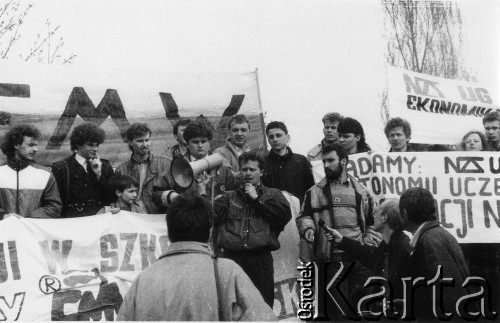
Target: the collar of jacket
pixel 275 157
pixel 182 247
pixel 233 147
pixel 147 161
pixel 18 164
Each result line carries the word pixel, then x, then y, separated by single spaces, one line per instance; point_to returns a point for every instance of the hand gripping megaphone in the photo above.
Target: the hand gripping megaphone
pixel 184 172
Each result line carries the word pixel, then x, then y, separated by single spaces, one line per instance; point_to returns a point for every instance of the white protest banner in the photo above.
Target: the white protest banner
pixel 466 186
pixel 81 268
pixel 434 105
pixel 57 98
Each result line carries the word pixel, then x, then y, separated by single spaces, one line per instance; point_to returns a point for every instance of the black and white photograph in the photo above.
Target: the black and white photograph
pixel 253 160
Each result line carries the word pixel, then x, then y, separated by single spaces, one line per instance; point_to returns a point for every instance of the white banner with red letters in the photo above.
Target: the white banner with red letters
pixel 440 111
pixel 81 268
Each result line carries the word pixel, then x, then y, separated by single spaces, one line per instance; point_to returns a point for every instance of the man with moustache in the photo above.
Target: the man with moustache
pixel 398 133
pixel 248 221
pixel 143 166
pixel 28 190
pixel 330 124
pixel 346 206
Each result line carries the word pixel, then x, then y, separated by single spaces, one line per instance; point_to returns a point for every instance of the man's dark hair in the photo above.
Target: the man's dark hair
pixel 418 204
pixel 398 122
pixel 86 133
pixel 121 182
pixel 276 125
pixel 238 118
pixel 15 136
pixel 189 218
pixel 332 117
pixel 350 125
pixel 341 152
pixel 251 156
pixel 390 207
pixel 181 123
pixel 197 129
pixel 137 130
pixel 491 116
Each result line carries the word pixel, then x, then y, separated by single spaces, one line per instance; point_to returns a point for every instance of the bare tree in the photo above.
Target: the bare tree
pixel 426 37
pixel 47 46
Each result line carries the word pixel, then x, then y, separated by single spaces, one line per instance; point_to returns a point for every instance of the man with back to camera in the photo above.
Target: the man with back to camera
pixel 143 166
pixel 398 133
pixel 491 123
pixel 179 150
pixel 188 282
pixel 28 190
pixel 83 177
pixel 236 143
pixel 432 247
pixel 345 205
pixel 284 169
pixel 248 222
pixel 331 122
pixel 352 136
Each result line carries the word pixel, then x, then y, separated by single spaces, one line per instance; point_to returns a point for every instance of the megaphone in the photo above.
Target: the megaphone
pixel 184 172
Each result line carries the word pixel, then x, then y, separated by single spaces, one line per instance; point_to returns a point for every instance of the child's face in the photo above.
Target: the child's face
pixel 129 195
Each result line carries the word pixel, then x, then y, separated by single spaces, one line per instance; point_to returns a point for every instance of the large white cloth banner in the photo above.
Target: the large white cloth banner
pixel 81 268
pixel 465 185
pixel 57 98
pixel 441 111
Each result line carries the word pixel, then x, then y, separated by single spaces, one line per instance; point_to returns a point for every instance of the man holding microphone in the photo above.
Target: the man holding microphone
pixel 248 221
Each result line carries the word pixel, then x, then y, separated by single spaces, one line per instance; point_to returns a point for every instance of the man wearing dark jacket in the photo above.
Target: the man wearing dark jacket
pixel 28 190
pixel 433 248
pixel 83 177
pixel 143 166
pixel 248 221
pixel 283 169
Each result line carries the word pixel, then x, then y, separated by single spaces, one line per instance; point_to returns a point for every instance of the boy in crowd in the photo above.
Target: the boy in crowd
pixel 284 169
pixel 180 150
pixel 491 123
pixel 125 188
pixel 398 132
pixel 236 144
pixel 330 124
pixel 352 136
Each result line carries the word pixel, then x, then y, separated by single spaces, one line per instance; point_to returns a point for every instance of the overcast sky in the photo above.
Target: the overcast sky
pixel 313 56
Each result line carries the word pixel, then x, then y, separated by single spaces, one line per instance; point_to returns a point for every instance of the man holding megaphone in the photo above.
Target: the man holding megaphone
pixel 203 174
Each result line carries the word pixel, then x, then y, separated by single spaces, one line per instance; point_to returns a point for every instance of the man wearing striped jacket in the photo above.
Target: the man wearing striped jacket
pixel 26 189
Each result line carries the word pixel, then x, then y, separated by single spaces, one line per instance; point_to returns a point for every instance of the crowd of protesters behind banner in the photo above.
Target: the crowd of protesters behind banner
pixel 254 195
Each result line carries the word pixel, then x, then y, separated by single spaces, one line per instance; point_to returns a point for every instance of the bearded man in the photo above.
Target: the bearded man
pixel 347 206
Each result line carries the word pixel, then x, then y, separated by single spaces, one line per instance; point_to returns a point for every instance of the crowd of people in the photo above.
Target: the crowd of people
pixel 237 211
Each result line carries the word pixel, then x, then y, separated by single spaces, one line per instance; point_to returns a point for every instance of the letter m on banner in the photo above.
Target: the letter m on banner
pixel 79 104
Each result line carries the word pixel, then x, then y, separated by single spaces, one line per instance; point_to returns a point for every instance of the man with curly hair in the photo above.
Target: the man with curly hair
pixel 83 177
pixel 28 190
